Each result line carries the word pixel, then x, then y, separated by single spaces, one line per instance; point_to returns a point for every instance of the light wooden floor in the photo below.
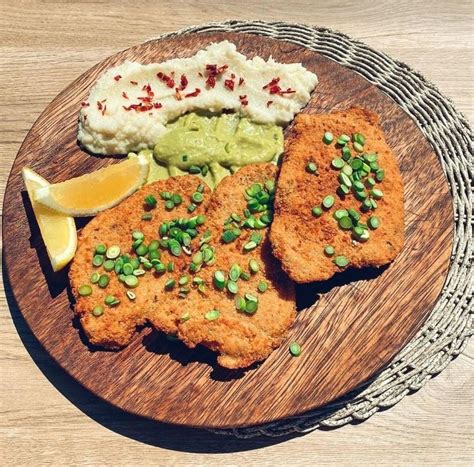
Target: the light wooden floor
pixel 47 419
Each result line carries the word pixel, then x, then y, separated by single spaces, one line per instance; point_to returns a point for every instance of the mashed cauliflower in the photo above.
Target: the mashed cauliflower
pixel 129 106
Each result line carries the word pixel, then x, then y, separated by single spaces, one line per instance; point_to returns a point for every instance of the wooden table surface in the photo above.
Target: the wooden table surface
pixel 45 418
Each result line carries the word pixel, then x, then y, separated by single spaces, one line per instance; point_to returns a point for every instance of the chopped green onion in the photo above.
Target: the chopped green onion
pixel 212 315
pixel 262 286
pixel 169 284
pixel 312 168
pixel 329 250
pixel 110 300
pixel 328 201
pixel 97 260
pixel 328 137
pixel 234 273
pixel 373 222
pixel 295 349
pixel 341 261
pixel 358 138
pixel 131 281
pixel 103 281
pixel 85 290
pixel 317 211
pixel 131 295
pixel 249 246
pixel 113 252
pixel 100 249
pixel 232 287
pixel 346 153
pixel 150 201
pixel 240 303
pixel 340 213
pixel 98 311
pixel 94 277
pixel 337 163
pixel 358 147
pixel 183 280
pixel 376 193
pixel 254 266
pixel 197 197
pixel 345 223
pixel 219 279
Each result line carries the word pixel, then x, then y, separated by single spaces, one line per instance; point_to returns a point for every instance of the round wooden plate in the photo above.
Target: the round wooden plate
pixel 359 321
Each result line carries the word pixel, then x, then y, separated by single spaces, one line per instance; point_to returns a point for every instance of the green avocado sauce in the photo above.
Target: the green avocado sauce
pixel 223 143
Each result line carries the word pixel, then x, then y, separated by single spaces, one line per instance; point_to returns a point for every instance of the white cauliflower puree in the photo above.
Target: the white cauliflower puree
pixel 129 106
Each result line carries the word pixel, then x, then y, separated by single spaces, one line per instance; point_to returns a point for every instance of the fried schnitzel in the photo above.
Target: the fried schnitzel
pixel 339 201
pixel 214 295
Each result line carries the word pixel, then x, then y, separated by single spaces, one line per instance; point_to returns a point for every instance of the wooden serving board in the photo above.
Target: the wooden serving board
pixel 359 320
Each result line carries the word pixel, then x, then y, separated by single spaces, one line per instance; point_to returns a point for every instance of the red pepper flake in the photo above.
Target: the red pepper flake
pixel 134 82
pixel 274 88
pixel 243 100
pixel 229 84
pixel 213 71
pixel 148 90
pixel 200 75
pixel 141 107
pixel 145 99
pixel 269 103
pixel 241 81
pixel 168 80
pixel 85 104
pixel 99 105
pixel 104 109
pixel 183 83
pixel 177 94
pixel 232 75
pixel 195 93
pixel 124 95
pixel 117 78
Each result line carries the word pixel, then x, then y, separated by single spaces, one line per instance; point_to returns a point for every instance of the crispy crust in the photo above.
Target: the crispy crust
pixel 240 339
pixel 297 237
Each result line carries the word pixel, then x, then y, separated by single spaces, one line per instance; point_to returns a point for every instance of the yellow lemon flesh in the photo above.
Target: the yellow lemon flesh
pixel 91 193
pixel 58 231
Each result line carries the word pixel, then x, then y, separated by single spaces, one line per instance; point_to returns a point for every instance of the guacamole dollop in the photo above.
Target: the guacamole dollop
pixel 222 143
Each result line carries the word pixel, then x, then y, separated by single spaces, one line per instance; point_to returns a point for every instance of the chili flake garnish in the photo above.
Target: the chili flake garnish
pixel 134 82
pixel 229 84
pixel 243 100
pixel 269 103
pixel 195 93
pixel 100 107
pixel 118 77
pixel 177 94
pixel 183 83
pixel 274 88
pixel 241 81
pixel 124 95
pixel 85 104
pixel 168 80
pixel 213 71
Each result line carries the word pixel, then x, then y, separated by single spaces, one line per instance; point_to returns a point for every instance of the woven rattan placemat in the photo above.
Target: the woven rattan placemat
pixel 450 324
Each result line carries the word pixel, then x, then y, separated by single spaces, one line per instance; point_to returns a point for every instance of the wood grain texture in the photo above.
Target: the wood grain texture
pixel 40 425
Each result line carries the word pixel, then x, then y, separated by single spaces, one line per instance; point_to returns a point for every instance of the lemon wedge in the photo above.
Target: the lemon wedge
pixel 58 231
pixel 91 193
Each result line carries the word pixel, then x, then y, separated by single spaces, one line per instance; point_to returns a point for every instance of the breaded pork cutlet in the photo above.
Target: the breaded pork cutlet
pixel 211 317
pixel 188 301
pixel 117 324
pixel 339 202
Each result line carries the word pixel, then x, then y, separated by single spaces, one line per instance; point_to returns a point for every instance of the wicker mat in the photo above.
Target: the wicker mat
pixel 447 329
